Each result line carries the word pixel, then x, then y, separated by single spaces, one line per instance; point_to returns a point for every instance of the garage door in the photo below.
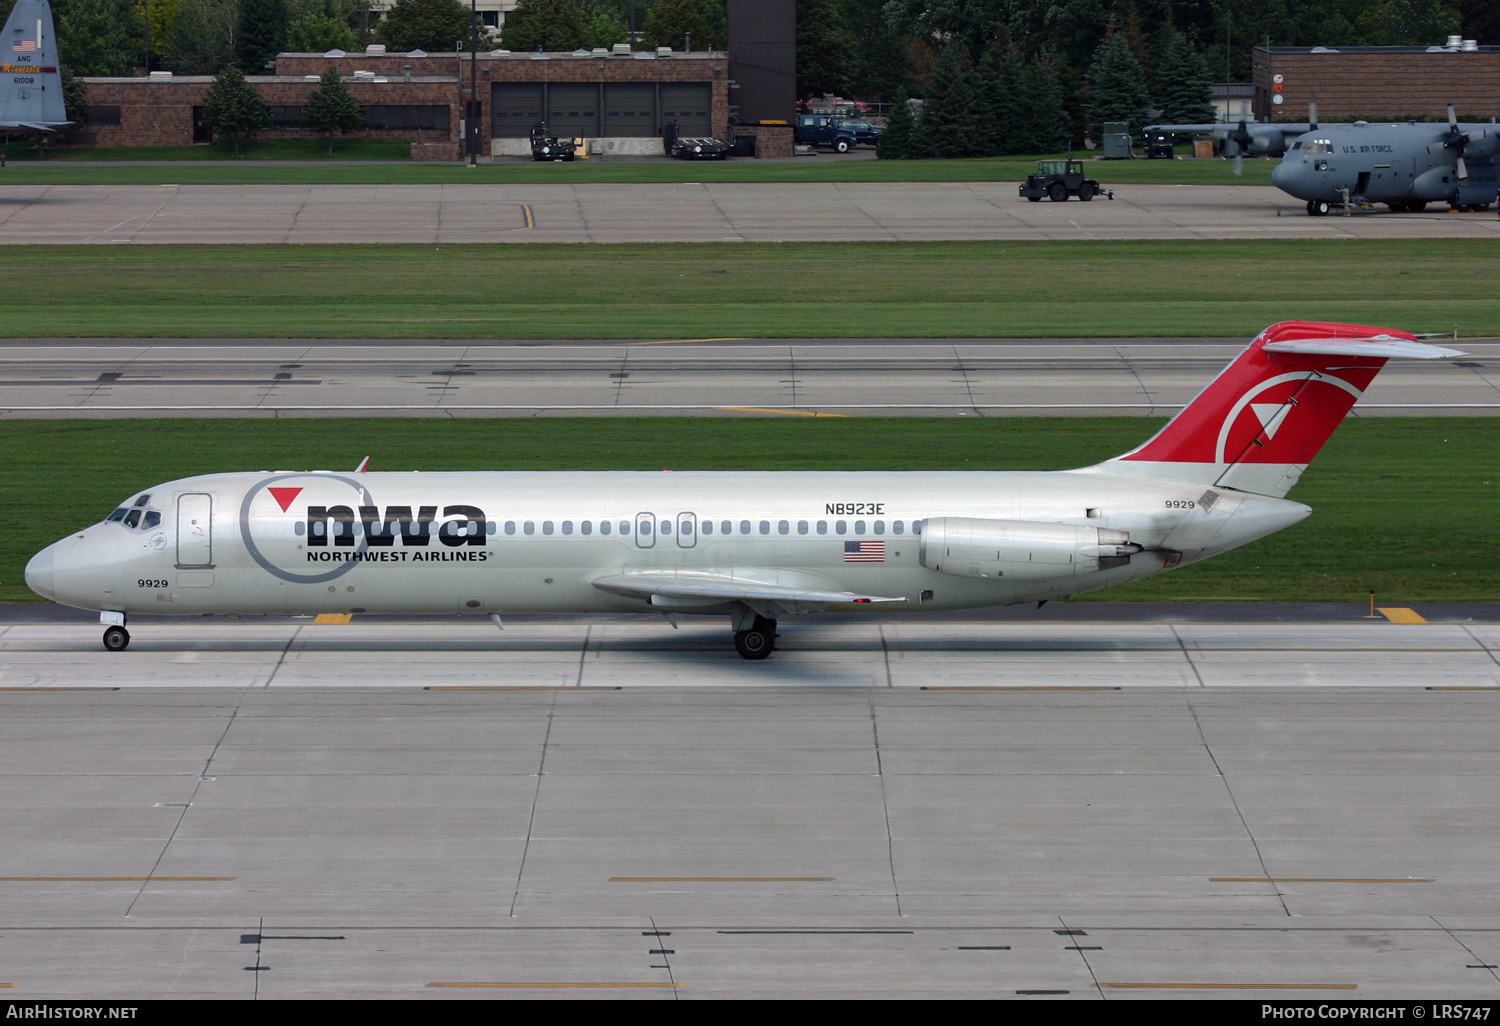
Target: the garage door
pixel 630 109
pixel 573 108
pixel 514 108
pixel 690 104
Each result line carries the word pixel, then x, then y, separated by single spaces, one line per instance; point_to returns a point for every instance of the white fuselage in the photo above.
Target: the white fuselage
pixel 492 543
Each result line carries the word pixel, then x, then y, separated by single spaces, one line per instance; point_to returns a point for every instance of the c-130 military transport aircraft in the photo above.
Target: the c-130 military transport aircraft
pixel 752 546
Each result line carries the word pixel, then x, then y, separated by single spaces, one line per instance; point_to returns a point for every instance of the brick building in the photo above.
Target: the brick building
pixel 1376 83
pixel 616 99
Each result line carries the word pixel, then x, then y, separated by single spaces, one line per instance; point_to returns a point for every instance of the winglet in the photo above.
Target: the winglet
pixel 364 465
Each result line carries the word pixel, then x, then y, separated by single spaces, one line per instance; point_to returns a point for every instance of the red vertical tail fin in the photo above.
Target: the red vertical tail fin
pixel 1258 424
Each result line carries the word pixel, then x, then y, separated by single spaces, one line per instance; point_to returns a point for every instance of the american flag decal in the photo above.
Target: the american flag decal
pixel 864 552
pixel 25 46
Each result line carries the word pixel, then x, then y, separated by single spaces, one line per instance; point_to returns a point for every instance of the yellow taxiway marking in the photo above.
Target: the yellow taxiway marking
pixel 332 618
pixel 720 879
pixel 1320 879
pixel 1231 986
pixel 1396 615
pixel 558 983
pixel 789 413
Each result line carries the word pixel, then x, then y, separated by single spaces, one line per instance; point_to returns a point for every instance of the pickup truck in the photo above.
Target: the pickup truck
pixel 843 134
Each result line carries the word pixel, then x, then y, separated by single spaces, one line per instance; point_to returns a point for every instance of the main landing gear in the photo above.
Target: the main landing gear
pixel 758 640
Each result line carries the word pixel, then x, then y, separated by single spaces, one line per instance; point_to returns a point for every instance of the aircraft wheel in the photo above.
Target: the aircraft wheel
pixel 116 639
pixel 757 642
pixel 1057 192
pixel 1085 192
pixel 1312 211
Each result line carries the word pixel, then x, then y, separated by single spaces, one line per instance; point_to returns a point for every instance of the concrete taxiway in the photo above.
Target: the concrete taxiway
pixel 688 212
pixel 609 808
pixel 919 377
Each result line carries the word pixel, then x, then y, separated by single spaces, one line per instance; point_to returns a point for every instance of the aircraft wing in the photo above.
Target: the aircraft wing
pixel 1233 126
pixel 669 589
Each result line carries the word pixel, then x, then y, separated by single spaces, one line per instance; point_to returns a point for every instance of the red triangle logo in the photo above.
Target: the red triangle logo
pixel 284 496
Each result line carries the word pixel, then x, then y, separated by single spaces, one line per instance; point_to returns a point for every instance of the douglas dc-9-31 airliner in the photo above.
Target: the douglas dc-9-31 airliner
pixel 752 546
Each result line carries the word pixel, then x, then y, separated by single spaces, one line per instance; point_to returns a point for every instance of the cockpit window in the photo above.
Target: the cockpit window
pixel 153 518
pixel 133 518
pixel 143 500
pixel 117 515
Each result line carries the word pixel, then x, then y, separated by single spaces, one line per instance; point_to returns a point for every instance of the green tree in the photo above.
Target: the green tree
pixel 1183 89
pixel 1040 123
pixel 431 25
pixel 330 109
pixel 203 36
pixel 1119 86
pixel 825 48
pixel 603 24
pixel 670 21
pixel 554 26
pixel 261 34
pixel 233 107
pixel 91 41
pixel 319 33
pixel 950 115
pixel 898 141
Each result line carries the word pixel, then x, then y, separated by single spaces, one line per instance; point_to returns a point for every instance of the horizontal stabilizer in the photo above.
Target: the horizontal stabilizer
pixel 1383 346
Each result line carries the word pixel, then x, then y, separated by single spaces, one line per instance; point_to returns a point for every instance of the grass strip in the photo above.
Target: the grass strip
pixel 1404 506
pixel 156 166
pixel 764 290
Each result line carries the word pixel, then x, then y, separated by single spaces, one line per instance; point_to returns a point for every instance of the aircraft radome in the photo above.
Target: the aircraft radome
pixel 1404 166
pixel 751 546
pixel 31 98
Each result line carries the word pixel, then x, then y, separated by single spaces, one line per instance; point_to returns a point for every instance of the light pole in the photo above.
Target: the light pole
pixel 471 112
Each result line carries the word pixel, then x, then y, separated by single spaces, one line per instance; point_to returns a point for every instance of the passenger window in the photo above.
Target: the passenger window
pixel 587 527
pixel 725 527
pixel 765 527
pixel 645 527
pixel 604 527
pixel 708 527
pixel 841 527
pixel 529 527
pixel 624 527
pixel 666 527
pixel 744 527
pixel 880 527
pixel 783 527
pixel 510 527
pixel 802 527
pixel 859 527
pixel 822 527
pixel 567 527
pixel 896 527
pixel 685 528
pixel 546 527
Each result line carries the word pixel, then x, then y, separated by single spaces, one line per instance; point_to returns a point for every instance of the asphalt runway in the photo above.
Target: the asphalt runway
pixel 691 212
pixel 984 377
pixel 1054 807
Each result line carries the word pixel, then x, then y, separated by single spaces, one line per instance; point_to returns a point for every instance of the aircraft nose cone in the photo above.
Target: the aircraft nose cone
pixel 39 573
pixel 1284 177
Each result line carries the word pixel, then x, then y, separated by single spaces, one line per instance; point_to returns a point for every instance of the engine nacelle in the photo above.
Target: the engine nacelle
pixel 1020 549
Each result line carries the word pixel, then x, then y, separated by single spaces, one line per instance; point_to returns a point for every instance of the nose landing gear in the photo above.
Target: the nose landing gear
pixel 116 637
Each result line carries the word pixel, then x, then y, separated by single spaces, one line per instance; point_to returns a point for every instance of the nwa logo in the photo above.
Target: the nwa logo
pixel 1284 419
pixel 313 528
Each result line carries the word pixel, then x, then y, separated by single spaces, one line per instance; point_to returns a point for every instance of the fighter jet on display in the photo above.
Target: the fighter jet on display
pixel 751 546
pixel 1405 166
pixel 31 98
